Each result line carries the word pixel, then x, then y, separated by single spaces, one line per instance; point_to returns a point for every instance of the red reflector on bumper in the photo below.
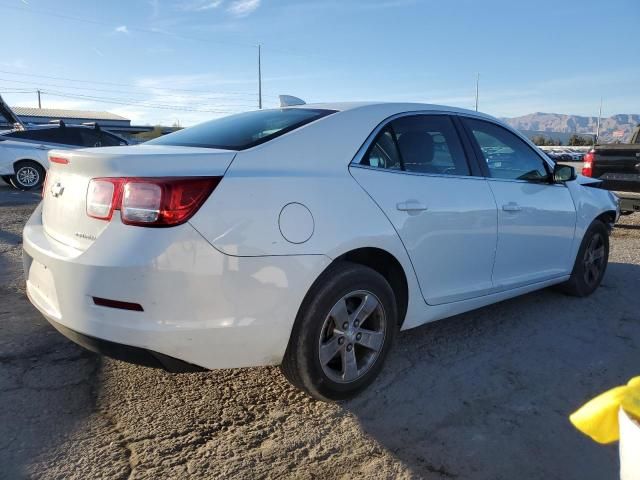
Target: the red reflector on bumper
pixel 105 302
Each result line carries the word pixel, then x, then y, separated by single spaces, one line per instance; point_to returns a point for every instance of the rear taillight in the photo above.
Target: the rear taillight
pixel 102 197
pixel 589 160
pixel 149 202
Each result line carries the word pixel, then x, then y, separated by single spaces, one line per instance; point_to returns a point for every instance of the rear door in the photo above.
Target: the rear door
pixel 416 170
pixel 536 219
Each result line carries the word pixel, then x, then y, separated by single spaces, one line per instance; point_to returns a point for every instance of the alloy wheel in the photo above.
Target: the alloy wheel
pixel 594 259
pixel 27 176
pixel 352 336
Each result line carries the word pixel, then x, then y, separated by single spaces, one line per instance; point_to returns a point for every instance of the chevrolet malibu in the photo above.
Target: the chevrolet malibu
pixel 305 236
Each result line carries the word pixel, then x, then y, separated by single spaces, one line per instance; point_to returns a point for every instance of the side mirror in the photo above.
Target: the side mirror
pixel 563 173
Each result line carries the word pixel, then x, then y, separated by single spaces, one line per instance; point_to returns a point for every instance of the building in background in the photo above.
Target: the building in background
pixel 109 121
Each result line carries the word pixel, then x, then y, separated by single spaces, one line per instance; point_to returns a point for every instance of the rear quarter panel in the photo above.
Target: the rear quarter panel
pixel 308 166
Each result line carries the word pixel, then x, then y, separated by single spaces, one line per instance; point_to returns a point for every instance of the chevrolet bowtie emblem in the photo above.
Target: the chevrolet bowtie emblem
pixel 57 189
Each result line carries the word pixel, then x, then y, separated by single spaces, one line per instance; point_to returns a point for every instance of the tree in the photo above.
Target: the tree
pixel 542 141
pixel 579 141
pixel 150 135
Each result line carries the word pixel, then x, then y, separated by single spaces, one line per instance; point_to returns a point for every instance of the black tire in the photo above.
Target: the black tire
pixel 29 175
pixel 590 266
pixel 6 179
pixel 316 328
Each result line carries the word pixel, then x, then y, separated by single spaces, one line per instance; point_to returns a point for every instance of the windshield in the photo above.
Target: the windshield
pixel 242 131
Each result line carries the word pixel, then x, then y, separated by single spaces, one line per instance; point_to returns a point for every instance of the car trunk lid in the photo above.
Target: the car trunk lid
pixel 64 196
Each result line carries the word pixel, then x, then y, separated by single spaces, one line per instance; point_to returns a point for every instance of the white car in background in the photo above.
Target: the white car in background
pixel 305 237
pixel 24 152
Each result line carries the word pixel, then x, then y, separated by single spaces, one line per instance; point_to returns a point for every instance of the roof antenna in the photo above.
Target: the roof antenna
pixel 290 101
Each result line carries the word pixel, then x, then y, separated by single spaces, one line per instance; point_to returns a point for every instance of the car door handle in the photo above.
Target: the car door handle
pixel 511 207
pixel 411 206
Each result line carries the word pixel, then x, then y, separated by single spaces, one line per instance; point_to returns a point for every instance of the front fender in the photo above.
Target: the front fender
pixel 590 203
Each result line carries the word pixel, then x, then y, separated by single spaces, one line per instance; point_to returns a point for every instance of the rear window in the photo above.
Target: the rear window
pixel 242 131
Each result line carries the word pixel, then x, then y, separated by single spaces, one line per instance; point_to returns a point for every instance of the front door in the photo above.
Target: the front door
pixel 416 171
pixel 536 218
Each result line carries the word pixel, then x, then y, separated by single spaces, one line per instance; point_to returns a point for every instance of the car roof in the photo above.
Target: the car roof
pixel 398 107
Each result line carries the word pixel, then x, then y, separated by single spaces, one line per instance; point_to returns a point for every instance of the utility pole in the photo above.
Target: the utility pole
pixel 39 103
pixel 259 77
pixel 599 117
pixel 477 89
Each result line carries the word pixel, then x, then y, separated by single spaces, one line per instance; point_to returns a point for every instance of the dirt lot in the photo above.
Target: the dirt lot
pixel 483 395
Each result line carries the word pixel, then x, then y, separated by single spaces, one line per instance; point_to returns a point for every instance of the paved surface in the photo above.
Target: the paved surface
pixel 483 395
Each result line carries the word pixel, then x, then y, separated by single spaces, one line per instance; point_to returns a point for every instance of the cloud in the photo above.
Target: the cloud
pixel 242 8
pixel 121 29
pixel 201 5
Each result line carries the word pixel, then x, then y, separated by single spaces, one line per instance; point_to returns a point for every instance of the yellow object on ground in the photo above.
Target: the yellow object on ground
pixel 598 418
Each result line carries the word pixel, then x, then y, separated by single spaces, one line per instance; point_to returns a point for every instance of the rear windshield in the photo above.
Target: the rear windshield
pixel 242 131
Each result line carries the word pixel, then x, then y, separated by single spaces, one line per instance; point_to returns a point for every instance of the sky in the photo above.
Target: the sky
pixel 186 61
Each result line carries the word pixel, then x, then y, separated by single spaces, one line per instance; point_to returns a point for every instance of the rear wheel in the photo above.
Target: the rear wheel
pixel 591 262
pixel 29 174
pixel 342 334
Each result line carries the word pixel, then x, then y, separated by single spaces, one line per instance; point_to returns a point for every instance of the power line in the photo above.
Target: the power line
pixel 253 95
pixel 161 96
pixel 135 103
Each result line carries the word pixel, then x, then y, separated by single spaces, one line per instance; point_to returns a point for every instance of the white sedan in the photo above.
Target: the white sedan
pixel 24 152
pixel 305 237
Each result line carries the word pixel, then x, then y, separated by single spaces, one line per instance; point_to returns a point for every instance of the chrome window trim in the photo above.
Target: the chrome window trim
pixel 418 174
pixel 355 162
pixel 530 182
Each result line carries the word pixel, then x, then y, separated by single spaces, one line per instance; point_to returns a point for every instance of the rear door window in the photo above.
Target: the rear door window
pixel 44 135
pixel 384 152
pixel 420 144
pixel 107 140
pixel 244 130
pixel 89 137
pixel 69 136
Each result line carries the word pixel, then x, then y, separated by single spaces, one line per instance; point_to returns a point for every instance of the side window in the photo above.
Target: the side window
pixel 107 140
pixel 69 136
pixel 55 135
pixel 383 152
pixel 421 144
pixel 24 134
pixel 89 137
pixel 430 144
pixel 507 156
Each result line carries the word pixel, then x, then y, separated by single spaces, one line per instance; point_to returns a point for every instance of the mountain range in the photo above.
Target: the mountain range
pixel 560 126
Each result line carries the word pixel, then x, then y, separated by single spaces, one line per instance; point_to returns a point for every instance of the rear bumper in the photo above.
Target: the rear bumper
pixel 126 353
pixel 629 202
pixel 200 306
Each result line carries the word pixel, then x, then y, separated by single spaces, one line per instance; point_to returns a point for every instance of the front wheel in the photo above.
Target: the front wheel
pixel 591 262
pixel 342 334
pixel 29 174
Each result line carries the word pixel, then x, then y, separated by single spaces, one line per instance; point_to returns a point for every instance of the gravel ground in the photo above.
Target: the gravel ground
pixel 484 395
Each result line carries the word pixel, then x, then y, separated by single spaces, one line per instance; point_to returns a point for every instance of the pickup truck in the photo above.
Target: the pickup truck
pixel 618 166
